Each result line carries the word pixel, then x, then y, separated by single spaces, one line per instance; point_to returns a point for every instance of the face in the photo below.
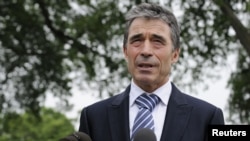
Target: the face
pixel 149 53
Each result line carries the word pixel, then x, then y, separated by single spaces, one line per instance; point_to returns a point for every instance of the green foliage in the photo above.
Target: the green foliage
pixel 209 36
pixel 239 99
pixel 31 62
pixel 43 42
pixel 51 126
pixel 205 37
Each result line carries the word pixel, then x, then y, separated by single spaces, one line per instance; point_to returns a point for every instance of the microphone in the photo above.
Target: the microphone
pixel 144 134
pixel 77 136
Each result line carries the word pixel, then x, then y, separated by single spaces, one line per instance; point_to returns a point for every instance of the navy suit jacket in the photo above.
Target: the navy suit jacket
pixel 186 119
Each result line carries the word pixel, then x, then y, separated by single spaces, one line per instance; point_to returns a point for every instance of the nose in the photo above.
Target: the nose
pixel 146 50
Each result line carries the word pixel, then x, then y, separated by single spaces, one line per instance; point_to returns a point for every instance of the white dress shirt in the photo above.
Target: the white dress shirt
pixel 159 111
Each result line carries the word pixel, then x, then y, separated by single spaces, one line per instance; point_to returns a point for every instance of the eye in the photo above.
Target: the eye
pixel 136 42
pixel 158 42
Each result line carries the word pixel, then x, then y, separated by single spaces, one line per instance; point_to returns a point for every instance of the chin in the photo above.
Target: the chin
pixel 145 81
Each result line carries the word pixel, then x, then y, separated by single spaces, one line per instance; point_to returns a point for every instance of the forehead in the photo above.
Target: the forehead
pixel 150 26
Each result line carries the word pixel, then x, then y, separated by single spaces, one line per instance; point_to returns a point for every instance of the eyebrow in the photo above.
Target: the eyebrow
pixel 136 36
pixel 140 35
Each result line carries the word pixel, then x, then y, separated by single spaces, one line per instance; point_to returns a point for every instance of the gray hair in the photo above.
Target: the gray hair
pixel 153 11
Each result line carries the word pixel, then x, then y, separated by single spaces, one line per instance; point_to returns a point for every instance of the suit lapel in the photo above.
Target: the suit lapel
pixel 118 114
pixel 178 112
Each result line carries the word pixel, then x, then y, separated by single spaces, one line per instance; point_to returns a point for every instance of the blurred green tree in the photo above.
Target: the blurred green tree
pixel 212 31
pixel 51 126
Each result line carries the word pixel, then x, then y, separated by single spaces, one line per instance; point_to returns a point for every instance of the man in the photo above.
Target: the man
pixel 151 47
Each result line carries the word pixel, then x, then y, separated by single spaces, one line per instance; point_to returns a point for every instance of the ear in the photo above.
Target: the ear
pixel 175 55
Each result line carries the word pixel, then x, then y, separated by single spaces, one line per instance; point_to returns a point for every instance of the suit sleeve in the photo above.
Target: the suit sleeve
pixel 218 117
pixel 84 122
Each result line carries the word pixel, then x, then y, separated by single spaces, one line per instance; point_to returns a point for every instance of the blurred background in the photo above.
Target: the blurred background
pixel 58 56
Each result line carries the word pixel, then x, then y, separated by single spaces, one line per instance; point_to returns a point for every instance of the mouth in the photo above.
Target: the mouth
pixel 145 65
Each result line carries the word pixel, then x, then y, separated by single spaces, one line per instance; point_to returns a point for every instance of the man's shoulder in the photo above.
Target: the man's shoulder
pixel 116 99
pixel 198 101
pixel 192 100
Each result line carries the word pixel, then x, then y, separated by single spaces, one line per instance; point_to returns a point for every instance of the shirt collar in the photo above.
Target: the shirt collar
pixel 162 92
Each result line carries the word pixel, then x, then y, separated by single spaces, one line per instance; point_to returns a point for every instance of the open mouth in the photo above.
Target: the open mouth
pixel 144 65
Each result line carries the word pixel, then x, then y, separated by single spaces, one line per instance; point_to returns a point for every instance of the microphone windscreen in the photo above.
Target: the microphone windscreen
pixel 77 136
pixel 144 134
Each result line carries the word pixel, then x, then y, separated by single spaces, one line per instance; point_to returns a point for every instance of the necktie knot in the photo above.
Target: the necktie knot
pixel 147 101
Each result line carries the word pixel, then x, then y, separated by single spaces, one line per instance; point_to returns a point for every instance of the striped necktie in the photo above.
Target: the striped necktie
pixel 144 118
